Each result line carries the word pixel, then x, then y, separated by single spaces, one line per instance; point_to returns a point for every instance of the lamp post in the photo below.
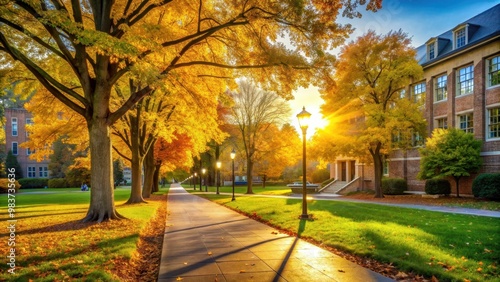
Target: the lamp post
pixel 218 164
pixel 303 118
pixel 203 171
pixel 194 181
pixel 233 155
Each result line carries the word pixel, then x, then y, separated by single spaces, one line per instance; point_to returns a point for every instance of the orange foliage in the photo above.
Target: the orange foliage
pixel 175 154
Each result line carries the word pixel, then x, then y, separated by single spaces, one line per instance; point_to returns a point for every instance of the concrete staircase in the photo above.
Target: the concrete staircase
pixel 334 187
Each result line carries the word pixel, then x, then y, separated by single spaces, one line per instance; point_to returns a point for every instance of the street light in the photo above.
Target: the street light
pixel 233 155
pixel 203 170
pixel 219 164
pixel 303 118
pixel 194 181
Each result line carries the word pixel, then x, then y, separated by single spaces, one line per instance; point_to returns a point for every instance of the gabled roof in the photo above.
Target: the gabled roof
pixel 482 27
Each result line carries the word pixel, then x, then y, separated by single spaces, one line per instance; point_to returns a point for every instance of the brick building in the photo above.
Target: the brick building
pixel 16 120
pixel 461 88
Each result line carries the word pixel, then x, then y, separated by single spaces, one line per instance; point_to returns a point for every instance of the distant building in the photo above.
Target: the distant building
pixel 16 120
pixel 461 89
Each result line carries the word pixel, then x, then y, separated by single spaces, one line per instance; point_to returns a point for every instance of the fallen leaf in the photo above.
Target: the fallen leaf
pixel 340 270
pixel 209 253
pixel 434 279
pixel 178 279
pixel 242 271
pixel 479 269
pixel 185 263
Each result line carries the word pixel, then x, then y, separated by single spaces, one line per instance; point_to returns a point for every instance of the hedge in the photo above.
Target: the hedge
pixel 58 183
pixel 33 182
pixel 394 186
pixel 4 185
pixel 437 186
pixel 487 185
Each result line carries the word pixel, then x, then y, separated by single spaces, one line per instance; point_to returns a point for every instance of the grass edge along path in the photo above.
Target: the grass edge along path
pixel 399 243
pixel 53 245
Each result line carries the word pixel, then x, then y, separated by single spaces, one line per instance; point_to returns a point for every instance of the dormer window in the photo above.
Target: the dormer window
pixel 460 38
pixel 431 50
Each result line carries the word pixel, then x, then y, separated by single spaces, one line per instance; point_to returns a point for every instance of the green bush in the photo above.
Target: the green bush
pixel 437 186
pixel 4 185
pixel 394 186
pixel 33 182
pixel 487 185
pixel 58 183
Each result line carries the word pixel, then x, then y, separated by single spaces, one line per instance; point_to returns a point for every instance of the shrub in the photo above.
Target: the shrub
pixel 33 182
pixel 77 176
pixel 394 186
pixel 487 185
pixel 57 183
pixel 437 186
pixel 4 185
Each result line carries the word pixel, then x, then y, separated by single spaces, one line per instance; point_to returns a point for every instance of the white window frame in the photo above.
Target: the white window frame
pixel 31 171
pixel 457 34
pixel 43 172
pixel 488 123
pixel 421 87
pixel 431 50
pixel 14 124
pixel 469 122
pixel 492 61
pixel 441 122
pixel 28 122
pixel 465 78
pixel 441 85
pixel 15 152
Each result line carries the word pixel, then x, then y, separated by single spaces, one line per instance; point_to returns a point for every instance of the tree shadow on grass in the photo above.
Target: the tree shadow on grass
pixel 73 265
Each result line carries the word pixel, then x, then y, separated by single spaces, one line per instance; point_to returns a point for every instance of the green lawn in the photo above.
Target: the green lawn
pixel 53 245
pixel 450 247
pixel 269 190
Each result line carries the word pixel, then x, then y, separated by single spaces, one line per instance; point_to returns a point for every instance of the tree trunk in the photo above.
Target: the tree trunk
pixel 149 171
pixel 264 178
pixel 156 178
pixel 377 163
pixel 457 181
pixel 137 162
pixel 249 176
pixel 102 202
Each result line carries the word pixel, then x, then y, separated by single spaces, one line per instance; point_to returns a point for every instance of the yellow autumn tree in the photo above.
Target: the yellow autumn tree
pixel 98 43
pixel 364 103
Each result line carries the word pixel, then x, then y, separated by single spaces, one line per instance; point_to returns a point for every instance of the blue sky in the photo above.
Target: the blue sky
pixel 421 19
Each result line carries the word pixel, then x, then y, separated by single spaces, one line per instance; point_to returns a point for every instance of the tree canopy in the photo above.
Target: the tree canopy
pixel 366 104
pixel 79 50
pixel 450 152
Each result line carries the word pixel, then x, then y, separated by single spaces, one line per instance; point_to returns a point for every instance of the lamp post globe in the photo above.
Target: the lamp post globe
pixel 233 155
pixel 203 171
pixel 303 118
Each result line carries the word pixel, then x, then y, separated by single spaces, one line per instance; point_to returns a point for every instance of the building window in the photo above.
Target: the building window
pixel 29 121
pixel 442 123
pixel 466 123
pixel 43 172
pixel 460 39
pixel 28 151
pixel 494 71
pixel 441 89
pixel 465 80
pixel 402 94
pixel 31 172
pixel 385 166
pixel 14 126
pixel 431 50
pixel 493 121
pixel 418 92
pixel 14 148
pixel 417 139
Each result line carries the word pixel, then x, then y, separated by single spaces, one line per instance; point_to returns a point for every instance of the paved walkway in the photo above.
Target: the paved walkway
pixel 207 242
